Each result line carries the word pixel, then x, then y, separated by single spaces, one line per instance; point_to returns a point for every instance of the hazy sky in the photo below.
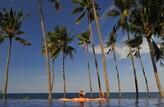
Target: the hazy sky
pixel 27 69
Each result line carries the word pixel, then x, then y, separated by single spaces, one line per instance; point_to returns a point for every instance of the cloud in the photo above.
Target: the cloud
pixel 122 50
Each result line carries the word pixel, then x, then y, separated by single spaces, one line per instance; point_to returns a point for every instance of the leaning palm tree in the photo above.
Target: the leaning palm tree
pixel 111 43
pixel 122 11
pixel 84 41
pixel 63 46
pixel 147 19
pixel 42 21
pixel 135 45
pixel 10 24
pixel 85 9
pixel 95 15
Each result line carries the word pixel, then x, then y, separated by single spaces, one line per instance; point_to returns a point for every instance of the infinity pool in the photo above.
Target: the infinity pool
pixel 111 103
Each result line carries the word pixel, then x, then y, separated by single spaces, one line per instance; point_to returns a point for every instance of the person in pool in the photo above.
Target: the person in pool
pixel 82 98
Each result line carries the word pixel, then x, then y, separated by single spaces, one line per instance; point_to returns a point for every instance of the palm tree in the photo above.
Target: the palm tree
pixel 102 49
pixel 85 9
pixel 63 46
pixel 84 41
pixel 42 21
pixel 148 21
pixel 135 45
pixel 111 43
pixel 51 46
pixel 10 24
pixel 124 7
pixel 57 4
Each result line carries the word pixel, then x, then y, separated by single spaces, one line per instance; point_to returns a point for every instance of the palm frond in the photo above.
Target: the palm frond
pixel 135 42
pixel 77 10
pixel 1 39
pixel 80 18
pixel 113 13
pixel 22 41
pixel 57 4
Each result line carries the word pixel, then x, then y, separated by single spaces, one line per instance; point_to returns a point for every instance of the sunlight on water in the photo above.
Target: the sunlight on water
pixel 112 103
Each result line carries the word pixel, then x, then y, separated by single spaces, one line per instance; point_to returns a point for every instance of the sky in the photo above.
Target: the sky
pixel 27 73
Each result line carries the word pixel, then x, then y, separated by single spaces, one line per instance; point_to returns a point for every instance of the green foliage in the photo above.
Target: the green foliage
pixel 84 7
pixel 1 39
pixel 84 39
pixel 135 42
pixel 158 52
pixel 22 41
pixel 113 13
pixel 10 24
pixel 59 41
pixel 112 36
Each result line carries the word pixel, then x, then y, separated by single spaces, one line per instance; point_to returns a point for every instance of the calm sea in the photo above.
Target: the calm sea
pixel 72 95
pixel 40 100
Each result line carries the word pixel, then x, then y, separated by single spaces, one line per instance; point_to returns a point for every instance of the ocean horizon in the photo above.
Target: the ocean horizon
pixel 73 95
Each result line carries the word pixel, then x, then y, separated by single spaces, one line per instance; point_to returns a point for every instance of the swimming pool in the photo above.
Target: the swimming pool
pixel 154 102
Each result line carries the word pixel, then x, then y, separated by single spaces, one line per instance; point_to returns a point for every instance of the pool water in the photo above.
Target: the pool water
pixel 154 102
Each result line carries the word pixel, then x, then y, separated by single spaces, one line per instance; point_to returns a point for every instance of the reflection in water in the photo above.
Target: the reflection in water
pixel 160 103
pixel 81 104
pixel 150 102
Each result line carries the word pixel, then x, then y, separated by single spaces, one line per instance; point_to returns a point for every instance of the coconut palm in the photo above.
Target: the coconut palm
pixel 63 46
pixel 102 49
pixel 57 4
pixel 42 21
pixel 84 41
pixel 149 21
pixel 122 10
pixel 135 45
pixel 85 9
pixel 111 43
pixel 51 46
pixel 10 24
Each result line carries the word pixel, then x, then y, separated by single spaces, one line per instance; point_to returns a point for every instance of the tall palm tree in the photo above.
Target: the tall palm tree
pixel 122 11
pixel 51 46
pixel 42 21
pixel 135 45
pixel 10 24
pixel 102 49
pixel 84 41
pixel 63 46
pixel 149 21
pixel 111 43
pixel 85 9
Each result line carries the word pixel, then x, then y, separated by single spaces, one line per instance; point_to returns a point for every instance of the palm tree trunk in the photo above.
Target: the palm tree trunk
pixel 97 72
pixel 95 59
pixel 118 76
pixel 89 73
pixel 53 75
pixel 64 75
pixel 135 75
pixel 102 51
pixel 155 69
pixel 134 70
pixel 46 50
pixel 143 70
pixel 7 70
pixel 90 81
